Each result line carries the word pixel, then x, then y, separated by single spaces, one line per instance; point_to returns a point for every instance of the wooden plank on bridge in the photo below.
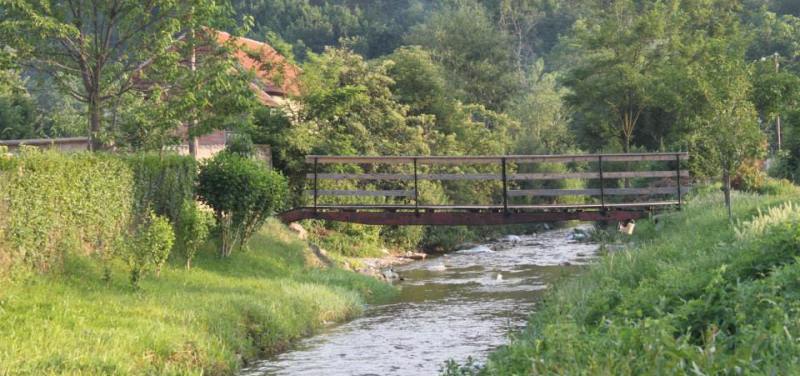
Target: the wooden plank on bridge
pixel 495 159
pixel 406 177
pixel 596 192
pixel 517 177
pixel 596 175
pixel 341 192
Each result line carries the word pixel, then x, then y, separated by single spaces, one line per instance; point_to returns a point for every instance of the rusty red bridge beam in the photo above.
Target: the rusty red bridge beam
pixel 454 218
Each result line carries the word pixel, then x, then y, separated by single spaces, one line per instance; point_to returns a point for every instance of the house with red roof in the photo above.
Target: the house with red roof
pixel 276 80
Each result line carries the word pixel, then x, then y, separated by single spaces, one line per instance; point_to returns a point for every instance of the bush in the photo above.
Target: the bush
pixel 150 247
pixel 243 193
pixel 194 228
pixel 443 239
pixel 242 145
pixel 403 237
pixel 750 177
pixel 57 202
pixel 162 184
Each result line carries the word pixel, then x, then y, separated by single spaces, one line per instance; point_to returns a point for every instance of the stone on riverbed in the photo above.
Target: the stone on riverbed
pixel 476 250
pixel 390 275
pixel 415 255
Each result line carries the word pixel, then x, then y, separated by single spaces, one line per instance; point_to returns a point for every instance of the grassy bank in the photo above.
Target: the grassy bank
pixel 693 295
pixel 201 321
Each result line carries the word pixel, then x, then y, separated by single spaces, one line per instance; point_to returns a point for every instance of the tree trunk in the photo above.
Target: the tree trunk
pixel 726 181
pixel 193 143
pixel 94 125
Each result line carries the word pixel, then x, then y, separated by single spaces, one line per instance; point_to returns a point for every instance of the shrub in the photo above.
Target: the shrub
pixel 150 246
pixel 243 193
pixel 446 238
pixel 162 184
pixel 241 144
pixel 55 201
pixel 750 177
pixel 194 228
pixel 402 237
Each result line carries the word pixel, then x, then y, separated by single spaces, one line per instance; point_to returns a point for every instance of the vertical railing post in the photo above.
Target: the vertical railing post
pixel 416 188
pixel 602 183
pixel 678 179
pixel 505 186
pixel 316 184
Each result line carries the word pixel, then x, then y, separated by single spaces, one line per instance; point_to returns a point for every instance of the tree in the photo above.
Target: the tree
pixel 543 115
pixel 211 91
pixel 421 83
pixel 481 66
pixel 727 128
pixel 613 85
pixel 95 49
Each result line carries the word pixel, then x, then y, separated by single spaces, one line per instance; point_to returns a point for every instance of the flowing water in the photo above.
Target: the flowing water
pixel 450 307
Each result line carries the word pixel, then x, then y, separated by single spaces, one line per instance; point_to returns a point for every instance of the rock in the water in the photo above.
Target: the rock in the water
pixel 475 250
pixel 415 255
pixel 467 246
pixel 390 275
pixel 579 234
pixel 437 267
pixel 299 230
pixel 511 239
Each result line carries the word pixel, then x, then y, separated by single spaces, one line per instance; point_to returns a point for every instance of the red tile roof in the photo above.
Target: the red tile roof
pixel 268 65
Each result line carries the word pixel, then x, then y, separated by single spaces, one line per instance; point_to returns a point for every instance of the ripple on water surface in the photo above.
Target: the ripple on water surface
pixel 449 307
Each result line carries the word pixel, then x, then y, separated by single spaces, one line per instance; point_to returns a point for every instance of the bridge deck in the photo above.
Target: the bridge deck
pixel 625 205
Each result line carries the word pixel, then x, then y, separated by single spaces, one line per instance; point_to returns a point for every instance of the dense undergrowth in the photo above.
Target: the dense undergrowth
pixel 694 295
pixel 200 321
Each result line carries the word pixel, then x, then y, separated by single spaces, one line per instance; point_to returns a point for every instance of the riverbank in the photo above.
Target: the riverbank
pixel 207 320
pixel 692 294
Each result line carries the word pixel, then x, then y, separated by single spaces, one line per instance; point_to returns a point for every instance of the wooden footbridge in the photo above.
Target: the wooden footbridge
pixel 388 190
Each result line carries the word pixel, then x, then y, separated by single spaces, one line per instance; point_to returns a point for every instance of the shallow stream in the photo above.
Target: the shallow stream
pixel 450 307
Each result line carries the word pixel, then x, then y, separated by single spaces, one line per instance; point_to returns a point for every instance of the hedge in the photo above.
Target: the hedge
pixel 52 202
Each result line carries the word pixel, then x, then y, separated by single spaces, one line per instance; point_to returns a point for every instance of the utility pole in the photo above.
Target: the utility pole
pixel 778 116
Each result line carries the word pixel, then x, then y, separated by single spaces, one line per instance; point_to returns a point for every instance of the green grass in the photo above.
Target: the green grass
pixel 692 296
pixel 203 321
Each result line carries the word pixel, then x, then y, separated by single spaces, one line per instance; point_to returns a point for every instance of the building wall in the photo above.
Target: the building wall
pixel 67 144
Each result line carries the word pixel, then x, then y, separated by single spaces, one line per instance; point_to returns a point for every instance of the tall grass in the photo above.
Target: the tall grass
pixel 692 297
pixel 203 321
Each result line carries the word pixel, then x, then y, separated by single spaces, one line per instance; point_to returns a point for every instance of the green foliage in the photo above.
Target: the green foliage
pixel 480 65
pixel 444 239
pixel 195 225
pixel 163 182
pixel 720 300
pixel 402 237
pixel 149 247
pixel 241 145
pixel 96 65
pixel 243 193
pixel 54 202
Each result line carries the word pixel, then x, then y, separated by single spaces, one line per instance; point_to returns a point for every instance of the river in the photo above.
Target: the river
pixel 449 307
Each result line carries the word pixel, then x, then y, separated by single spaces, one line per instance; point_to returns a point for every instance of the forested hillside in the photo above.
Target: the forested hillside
pixel 553 75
